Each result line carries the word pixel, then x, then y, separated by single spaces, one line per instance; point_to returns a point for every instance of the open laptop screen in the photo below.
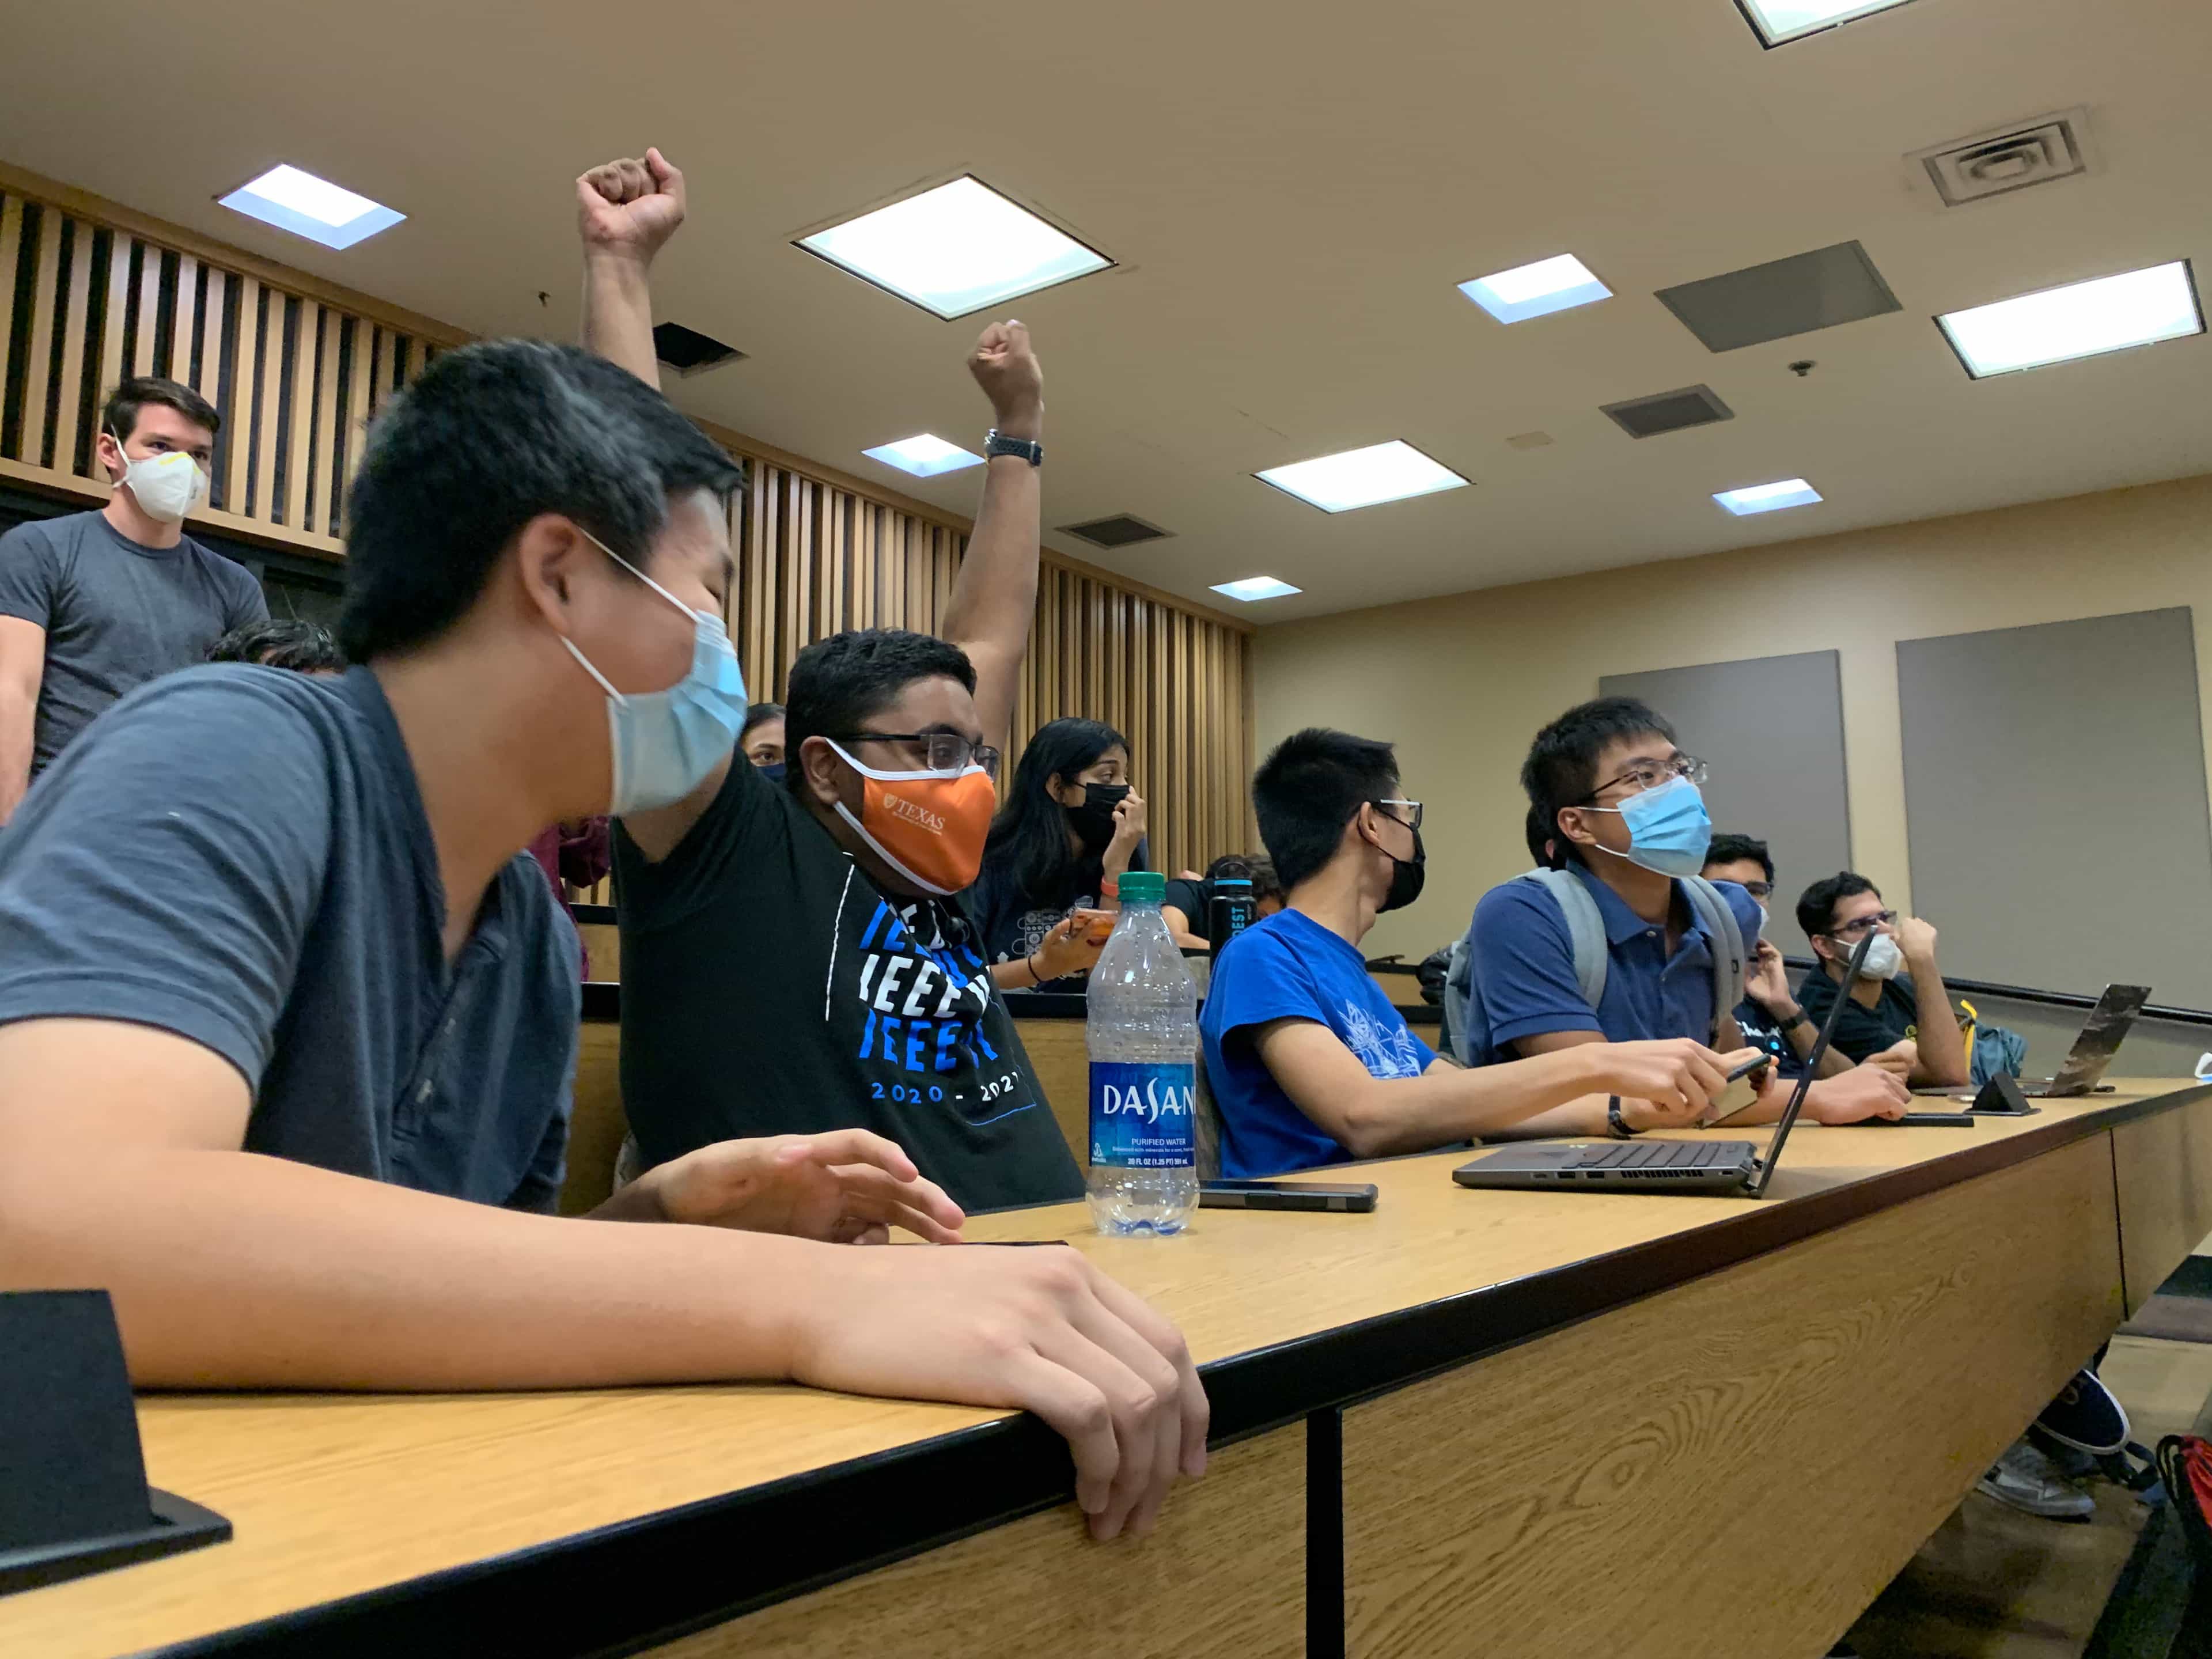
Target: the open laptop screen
pixel 1757 1189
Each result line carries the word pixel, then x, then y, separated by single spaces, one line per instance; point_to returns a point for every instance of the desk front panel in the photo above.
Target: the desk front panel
pixel 1757 1452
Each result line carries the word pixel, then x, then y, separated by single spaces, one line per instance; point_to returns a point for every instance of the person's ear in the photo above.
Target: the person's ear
pixel 109 453
pixel 1572 824
pixel 551 555
pixel 818 765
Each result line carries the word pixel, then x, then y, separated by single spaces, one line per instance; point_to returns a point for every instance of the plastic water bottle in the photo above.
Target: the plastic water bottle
pixel 1143 1037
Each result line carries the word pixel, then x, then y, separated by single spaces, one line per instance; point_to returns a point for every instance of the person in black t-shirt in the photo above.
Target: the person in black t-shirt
pixel 1071 827
pixel 1769 1015
pixel 796 956
pixel 1895 1017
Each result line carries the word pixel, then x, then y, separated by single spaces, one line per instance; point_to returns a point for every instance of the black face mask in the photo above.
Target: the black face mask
pixel 1094 819
pixel 772 771
pixel 1407 876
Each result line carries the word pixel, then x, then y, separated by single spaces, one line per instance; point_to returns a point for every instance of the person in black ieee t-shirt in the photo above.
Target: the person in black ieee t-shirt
pixel 795 956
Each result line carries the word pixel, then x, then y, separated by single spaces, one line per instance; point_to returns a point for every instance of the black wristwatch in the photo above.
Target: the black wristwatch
pixel 1801 1018
pixel 1615 1122
pixel 1028 448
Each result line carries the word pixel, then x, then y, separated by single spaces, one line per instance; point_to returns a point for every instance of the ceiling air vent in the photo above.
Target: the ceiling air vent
pixel 1996 163
pixel 1119 531
pixel 688 351
pixel 1669 412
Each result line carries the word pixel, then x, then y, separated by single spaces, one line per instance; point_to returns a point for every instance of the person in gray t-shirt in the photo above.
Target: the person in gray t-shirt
pixel 95 605
pixel 286 1021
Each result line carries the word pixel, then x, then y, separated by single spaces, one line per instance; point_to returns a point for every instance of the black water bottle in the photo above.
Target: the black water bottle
pixel 1228 912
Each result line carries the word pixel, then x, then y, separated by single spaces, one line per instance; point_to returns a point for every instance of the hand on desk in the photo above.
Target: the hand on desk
pixel 1038 1329
pixel 1852 1096
pixel 847 1186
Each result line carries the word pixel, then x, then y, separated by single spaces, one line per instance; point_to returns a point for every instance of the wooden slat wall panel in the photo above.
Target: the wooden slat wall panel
pixel 11 246
pixel 813 555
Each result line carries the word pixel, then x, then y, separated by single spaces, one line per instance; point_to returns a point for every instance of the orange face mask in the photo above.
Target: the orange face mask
pixel 928 826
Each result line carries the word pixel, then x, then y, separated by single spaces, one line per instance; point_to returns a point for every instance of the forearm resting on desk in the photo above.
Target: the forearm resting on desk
pixel 120 1167
pixel 1559 1092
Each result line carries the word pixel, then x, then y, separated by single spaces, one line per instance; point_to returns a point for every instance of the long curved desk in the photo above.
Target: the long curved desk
pixel 1530 1423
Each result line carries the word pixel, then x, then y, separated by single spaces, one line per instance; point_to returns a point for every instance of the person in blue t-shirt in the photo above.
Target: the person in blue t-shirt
pixel 1307 1062
pixel 1627 820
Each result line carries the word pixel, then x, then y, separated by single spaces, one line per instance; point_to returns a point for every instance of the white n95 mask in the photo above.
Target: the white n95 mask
pixel 166 486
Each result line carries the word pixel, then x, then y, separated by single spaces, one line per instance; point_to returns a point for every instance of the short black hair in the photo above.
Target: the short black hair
pixel 305 647
pixel 759 713
pixel 492 435
pixel 119 417
pixel 1312 786
pixel 1542 840
pixel 836 683
pixel 1816 907
pixel 1733 849
pixel 1561 770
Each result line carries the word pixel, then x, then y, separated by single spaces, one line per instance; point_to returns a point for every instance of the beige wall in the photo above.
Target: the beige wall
pixel 1462 684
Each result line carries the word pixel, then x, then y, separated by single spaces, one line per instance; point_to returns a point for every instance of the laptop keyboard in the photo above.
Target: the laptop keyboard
pixel 1655 1155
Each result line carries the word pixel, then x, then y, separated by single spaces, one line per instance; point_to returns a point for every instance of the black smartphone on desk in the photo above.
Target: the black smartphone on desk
pixel 1284 1196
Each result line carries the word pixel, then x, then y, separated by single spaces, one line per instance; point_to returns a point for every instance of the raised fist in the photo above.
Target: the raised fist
pixel 630 206
pixel 1006 368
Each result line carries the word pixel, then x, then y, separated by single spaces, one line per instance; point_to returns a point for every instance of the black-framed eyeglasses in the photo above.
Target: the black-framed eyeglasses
pixel 942 751
pixel 1860 925
pixel 1758 889
pixel 1649 774
pixel 1412 808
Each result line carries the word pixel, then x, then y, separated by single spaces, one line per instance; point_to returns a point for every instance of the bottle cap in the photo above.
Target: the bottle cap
pixel 1143 886
pixel 1246 881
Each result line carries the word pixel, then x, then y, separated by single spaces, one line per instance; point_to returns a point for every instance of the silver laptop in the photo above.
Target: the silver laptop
pixel 2102 1033
pixel 1648 1164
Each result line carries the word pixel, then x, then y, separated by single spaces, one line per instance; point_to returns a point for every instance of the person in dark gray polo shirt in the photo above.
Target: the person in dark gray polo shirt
pixel 287 1018
pixel 95 605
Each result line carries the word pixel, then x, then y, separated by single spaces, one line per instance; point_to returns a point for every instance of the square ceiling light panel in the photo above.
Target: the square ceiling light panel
pixel 1559 284
pixel 1256 587
pixel 1783 297
pixel 923 455
pixel 959 248
pixel 1363 478
pixel 1779 22
pixel 314 208
pixel 2082 320
pixel 1768 497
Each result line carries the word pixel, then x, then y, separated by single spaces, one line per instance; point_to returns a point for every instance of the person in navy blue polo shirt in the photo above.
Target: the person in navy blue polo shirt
pixel 1308 1062
pixel 1627 822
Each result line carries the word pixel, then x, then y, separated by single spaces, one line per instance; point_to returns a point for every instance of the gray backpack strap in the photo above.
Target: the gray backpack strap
pixel 1728 952
pixel 1456 999
pixel 1585 929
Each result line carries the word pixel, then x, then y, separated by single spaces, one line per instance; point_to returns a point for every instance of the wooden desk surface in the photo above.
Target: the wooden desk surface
pixel 541 1501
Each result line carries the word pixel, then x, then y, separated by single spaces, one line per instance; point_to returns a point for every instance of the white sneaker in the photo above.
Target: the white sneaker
pixel 2027 1480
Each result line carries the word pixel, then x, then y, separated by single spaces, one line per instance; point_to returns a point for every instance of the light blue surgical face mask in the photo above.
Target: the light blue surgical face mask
pixel 665 743
pixel 1667 829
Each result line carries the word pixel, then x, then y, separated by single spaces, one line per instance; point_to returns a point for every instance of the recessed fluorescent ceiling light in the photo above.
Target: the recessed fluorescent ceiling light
pixel 314 208
pixel 2084 319
pixel 1256 587
pixel 923 456
pixel 1768 497
pixel 958 248
pixel 1778 21
pixel 1362 477
pixel 1555 284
